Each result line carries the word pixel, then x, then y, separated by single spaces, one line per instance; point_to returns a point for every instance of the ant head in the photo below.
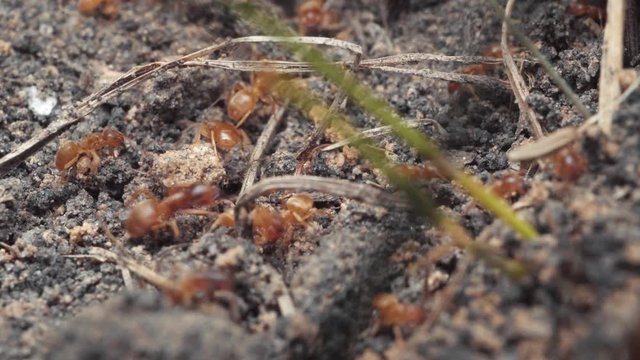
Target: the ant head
pixel 300 204
pixel 143 217
pixel 112 137
pixel 202 195
pixel 310 13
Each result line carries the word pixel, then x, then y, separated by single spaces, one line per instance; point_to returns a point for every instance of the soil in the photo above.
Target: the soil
pixel 310 297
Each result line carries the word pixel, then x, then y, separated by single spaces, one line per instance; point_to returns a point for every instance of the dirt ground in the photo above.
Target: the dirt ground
pixel 312 297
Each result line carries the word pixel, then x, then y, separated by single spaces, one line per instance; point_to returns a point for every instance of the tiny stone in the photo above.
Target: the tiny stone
pixel 436 280
pixel 485 339
pixel 632 254
pixel 530 323
pixel 38 105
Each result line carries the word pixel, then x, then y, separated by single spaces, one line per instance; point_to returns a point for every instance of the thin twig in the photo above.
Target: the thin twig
pixel 482 80
pixel 515 79
pixel 124 261
pixel 559 138
pixel 545 145
pixel 612 62
pixel 381 131
pixel 403 59
pixel 286 66
pixel 445 298
pixel 546 65
pixel 612 105
pixel 261 145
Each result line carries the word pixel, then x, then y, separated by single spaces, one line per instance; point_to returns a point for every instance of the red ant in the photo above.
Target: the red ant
pixel 267 225
pixel 312 15
pixel 568 163
pixel 242 99
pixel 583 9
pixel 299 209
pixel 108 8
pixel 196 288
pixel 84 152
pixel 393 313
pixel 419 172
pixel 153 214
pixel 509 186
pixel 491 51
pixel 270 225
pixel 222 135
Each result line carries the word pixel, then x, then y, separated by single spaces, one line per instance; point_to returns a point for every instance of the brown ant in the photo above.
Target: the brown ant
pixel 153 214
pixel 312 15
pixel 108 8
pixel 509 186
pixel 419 172
pixel 242 99
pixel 269 225
pixel 299 209
pixel 222 135
pixel 581 9
pixel 491 51
pixel 225 219
pixel 84 152
pixel 393 313
pixel 198 288
pixel 568 163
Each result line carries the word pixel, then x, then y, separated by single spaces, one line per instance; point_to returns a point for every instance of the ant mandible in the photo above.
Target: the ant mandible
pixel 84 152
pixel 152 214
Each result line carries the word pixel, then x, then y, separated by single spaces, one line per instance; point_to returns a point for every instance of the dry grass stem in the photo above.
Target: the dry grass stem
pixel 381 131
pixel 261 146
pixel 612 62
pixel 545 145
pixel 518 85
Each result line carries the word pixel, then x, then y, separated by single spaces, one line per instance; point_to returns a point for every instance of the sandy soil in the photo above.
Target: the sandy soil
pixel 580 299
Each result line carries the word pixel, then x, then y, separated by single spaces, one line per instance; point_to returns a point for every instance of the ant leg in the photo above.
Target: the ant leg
pixel 213 142
pixel 95 162
pixel 173 224
pixel 397 333
pixel 376 328
pixel 244 118
pixel 231 300
pixel 198 212
pixel 142 191
pixel 198 136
